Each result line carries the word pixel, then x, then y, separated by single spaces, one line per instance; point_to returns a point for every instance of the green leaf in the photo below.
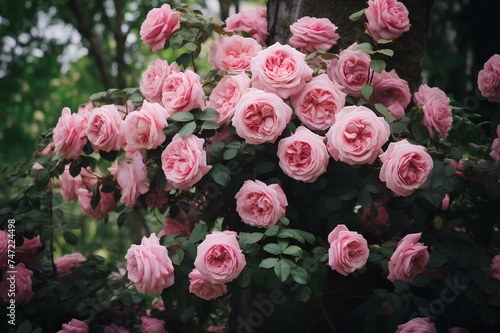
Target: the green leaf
pixel 395 302
pixel 230 153
pixel 382 41
pixel 437 259
pixel 221 174
pixel 367 91
pixel 456 153
pixel 299 275
pixel 245 277
pixel 190 46
pixel 268 263
pixel 421 133
pixel 383 111
pixel 377 65
pixel 264 167
pixel 387 52
pixel 70 238
pixel 187 129
pixel 356 16
pixel 272 231
pixel 288 233
pixel 364 198
pixel 272 248
pixel 284 220
pixel 25 327
pixel 365 47
pixel 420 280
pixel 310 238
pixel 398 127
pixel 303 293
pixel 250 237
pixel 293 250
pixel 199 233
pixel 209 114
pixel 42 178
pixel 96 196
pixel 183 116
pixel 177 257
pixel 109 156
pixel 282 270
pixel 172 129
pixel 210 125
pixel 401 285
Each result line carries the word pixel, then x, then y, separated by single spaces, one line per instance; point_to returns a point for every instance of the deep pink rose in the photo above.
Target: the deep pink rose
pixel 21 278
pixel 144 128
pixel 217 329
pixel 405 167
pixel 260 116
pixel 219 258
pixel 106 205
pixel 311 33
pixel 152 325
pixel 367 220
pixel 317 104
pixel 158 27
pixel 417 325
pixel 27 252
pixel 260 205
pixel 64 263
pixel 113 328
pixel 253 22
pixel 105 129
pixel 488 79
pixel 74 326
pixel 4 246
pixel 182 91
pixel 156 198
pixel 69 185
pixel 152 79
pixel 303 155
pixel 495 267
pixel 280 69
pixel 149 266
pixel 184 161
pixel 227 94
pixel 348 250
pixel 387 19
pixel 391 91
pixel 495 148
pixel 436 108
pixel 70 135
pixel 174 227
pixel 357 135
pixel 132 177
pixel 203 288
pixel 232 54
pixel 409 259
pixel 350 70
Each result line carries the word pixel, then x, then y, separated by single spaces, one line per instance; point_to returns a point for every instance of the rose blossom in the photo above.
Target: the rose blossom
pixel 303 155
pixel 144 128
pixel 152 79
pixel 4 241
pixel 232 54
pixel 348 250
pixel 367 220
pixel 488 79
pixel 260 116
pixel 22 281
pixel 253 22
pixel 64 263
pixel 280 69
pixel 387 19
pixel 357 135
pixel 495 148
pixel 417 325
pixel 105 129
pixel 70 135
pixel 184 161
pixel 409 259
pixel 27 252
pixel 149 266
pixel 495 267
pixel 69 185
pixel 317 104
pixel 158 27
pixel 132 177
pixel 436 108
pixel 152 325
pixel 174 227
pixel 391 91
pixel 219 258
pixel 203 288
pixel 311 33
pixel 106 204
pixel 260 205
pixel 113 328
pixel 217 329
pixel 182 91
pixel 227 94
pixel 74 326
pixel 405 167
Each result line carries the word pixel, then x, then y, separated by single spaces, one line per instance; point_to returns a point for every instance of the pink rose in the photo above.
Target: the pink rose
pixel 387 19
pixel 405 167
pixel 69 185
pixel 106 205
pixel 357 136
pixel 232 54
pixel 348 250
pixel 74 326
pixel 174 227
pixel 70 135
pixel 253 22
pixel 203 288
pixel 367 220
pixel 495 148
pixel 27 252
pixel 182 91
pixel 152 325
pixel 495 267
pixel 280 69
pixel 156 198
pixel 184 161
pixel 4 246
pixel 445 203
pixel 226 95
pixel 105 129
pixel 219 258
pixel 149 266
pixel 260 205
pixel 409 259
pixel 303 155
pixel 217 329
pixel 317 104
pixel 64 263
pixel 132 177
pixel 417 325
pixel 488 79
pixel 310 34
pixel 391 91
pixel 260 117
pixel 144 128
pixel 436 108
pixel 152 79
pixel 113 328
pixel 21 278
pixel 350 70
pixel 158 27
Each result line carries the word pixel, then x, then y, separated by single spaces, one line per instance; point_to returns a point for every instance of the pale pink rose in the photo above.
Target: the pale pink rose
pixel 387 19
pixel 409 259
pixel 405 167
pixel 317 104
pixel 226 95
pixel 64 263
pixel 445 203
pixel 152 79
pixel 367 220
pixel 203 288
pixel 156 198
pixel 144 128
pixel 348 250
pixel 311 33
pixel 219 258
pixel 74 326
pixel 105 129
pixel 357 136
pixel 106 205
pixel 158 27
pixel 260 205
pixel 113 328
pixel 132 177
pixel 253 22
pixel 4 241
pixel 125 109
pixel 417 325
pixel 488 79
pixel 69 185
pixel 48 149
pixel 495 148
pixel 21 278
pixel 89 178
pixel 303 155
pixel 260 116
pixel 351 70
pixel 85 110
pixel 27 252
pixel 232 54
pixel 184 161
pixel 436 108
pixel 391 91
pixel 458 330
pixel 149 266
pixel 174 227
pixel 217 329
pixel 152 325
pixel 182 91
pixel 280 69
pixel 495 267
pixel 70 134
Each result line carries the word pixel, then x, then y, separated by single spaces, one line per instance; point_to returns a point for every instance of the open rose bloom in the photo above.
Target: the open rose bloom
pixel 488 79
pixel 348 250
pixel 409 259
pixel 387 19
pixel 158 27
